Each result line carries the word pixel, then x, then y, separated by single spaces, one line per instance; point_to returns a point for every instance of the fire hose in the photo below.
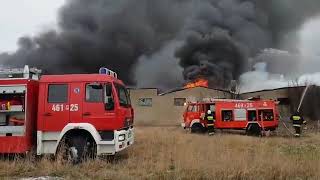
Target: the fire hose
pixel 284 124
pixel 298 109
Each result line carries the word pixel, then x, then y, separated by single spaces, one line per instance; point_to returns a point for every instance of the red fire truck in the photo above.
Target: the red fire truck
pixel 87 113
pixel 233 114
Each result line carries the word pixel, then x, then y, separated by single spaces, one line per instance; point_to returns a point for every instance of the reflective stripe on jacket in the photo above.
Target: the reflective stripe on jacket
pixel 296 118
pixel 210 118
pixel 210 121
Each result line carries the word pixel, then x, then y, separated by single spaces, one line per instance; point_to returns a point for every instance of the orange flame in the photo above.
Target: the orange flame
pixel 197 83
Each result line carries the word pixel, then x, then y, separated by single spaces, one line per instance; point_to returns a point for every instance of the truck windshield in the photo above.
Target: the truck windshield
pixel 123 96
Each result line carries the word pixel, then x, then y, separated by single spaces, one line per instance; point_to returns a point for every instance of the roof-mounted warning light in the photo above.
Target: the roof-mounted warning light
pixel 107 71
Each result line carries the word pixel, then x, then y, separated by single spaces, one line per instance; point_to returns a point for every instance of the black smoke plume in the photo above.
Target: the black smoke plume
pixel 218 37
pixel 214 56
pixel 223 34
pixel 99 33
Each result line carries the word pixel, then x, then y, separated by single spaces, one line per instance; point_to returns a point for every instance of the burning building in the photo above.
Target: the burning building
pixel 215 58
pixel 154 108
pixel 197 83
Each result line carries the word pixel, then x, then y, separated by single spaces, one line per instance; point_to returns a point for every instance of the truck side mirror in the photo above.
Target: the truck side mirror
pixel 109 105
pixel 108 100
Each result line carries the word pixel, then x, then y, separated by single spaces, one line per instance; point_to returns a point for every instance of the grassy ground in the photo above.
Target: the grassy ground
pixel 171 153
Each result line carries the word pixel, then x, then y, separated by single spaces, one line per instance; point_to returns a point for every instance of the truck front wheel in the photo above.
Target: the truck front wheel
pixel 253 130
pixel 197 128
pixel 77 148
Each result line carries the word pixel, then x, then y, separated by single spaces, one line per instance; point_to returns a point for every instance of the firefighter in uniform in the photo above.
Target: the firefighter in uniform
pixel 210 122
pixel 297 121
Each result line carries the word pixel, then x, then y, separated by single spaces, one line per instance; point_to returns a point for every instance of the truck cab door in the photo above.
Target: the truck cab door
pixel 193 112
pixel 56 113
pixel 99 105
pixel 76 99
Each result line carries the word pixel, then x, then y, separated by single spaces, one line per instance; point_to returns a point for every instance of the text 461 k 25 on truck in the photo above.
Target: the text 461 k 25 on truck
pixel 78 114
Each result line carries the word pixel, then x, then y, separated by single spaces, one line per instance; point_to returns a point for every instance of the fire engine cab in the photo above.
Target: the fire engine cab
pixel 252 116
pixel 76 114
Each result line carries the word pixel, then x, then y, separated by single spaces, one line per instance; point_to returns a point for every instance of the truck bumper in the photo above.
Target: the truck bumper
pixel 122 140
pixel 183 125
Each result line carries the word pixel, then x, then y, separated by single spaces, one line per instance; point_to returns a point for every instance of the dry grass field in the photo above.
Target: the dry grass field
pixel 171 153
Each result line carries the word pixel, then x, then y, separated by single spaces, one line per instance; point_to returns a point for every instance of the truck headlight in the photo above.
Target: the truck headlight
pixel 121 137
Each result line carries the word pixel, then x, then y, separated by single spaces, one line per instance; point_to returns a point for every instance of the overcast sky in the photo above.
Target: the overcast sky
pixel 25 17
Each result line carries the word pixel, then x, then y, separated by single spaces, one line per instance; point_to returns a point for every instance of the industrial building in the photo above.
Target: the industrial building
pixel 166 109
pixel 289 99
pixel 281 95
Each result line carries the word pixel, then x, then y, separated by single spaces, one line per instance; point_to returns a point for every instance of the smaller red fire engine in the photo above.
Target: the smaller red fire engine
pixel 233 114
pixel 76 114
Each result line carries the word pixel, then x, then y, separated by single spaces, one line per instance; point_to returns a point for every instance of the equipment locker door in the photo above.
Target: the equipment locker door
pixel 56 114
pixel 99 105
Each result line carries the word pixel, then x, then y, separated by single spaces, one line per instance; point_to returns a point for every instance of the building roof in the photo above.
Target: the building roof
pixel 225 100
pixel 264 90
pixel 217 89
pixel 182 88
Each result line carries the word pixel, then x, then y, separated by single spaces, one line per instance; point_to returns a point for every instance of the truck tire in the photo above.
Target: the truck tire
pixel 77 148
pixel 82 148
pixel 197 128
pixel 253 130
